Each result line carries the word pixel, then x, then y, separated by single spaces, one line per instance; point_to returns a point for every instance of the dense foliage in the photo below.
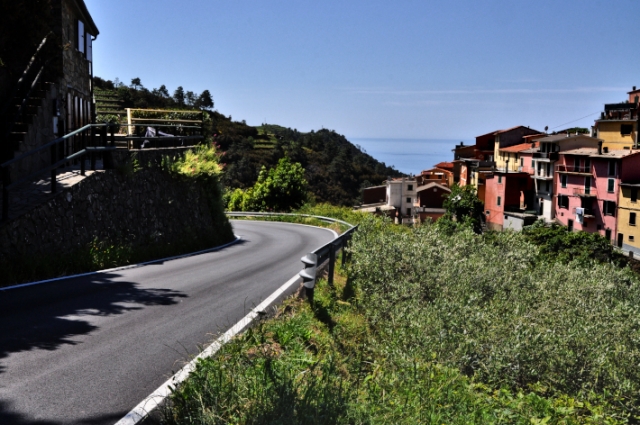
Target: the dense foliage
pixel 281 188
pixel 436 328
pixel 462 206
pixel 335 169
pixel 557 243
pixel 138 96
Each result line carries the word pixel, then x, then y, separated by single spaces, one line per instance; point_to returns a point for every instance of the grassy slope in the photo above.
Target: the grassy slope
pixel 434 329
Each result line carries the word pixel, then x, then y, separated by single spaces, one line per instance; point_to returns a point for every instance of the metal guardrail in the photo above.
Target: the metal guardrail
pixel 312 260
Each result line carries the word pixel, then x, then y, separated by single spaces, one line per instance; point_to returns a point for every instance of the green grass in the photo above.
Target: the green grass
pixel 328 363
pixel 434 327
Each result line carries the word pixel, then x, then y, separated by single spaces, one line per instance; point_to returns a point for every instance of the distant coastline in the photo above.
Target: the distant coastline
pixel 409 156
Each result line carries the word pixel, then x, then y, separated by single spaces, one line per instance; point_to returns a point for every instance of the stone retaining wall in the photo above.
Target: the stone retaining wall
pixel 148 206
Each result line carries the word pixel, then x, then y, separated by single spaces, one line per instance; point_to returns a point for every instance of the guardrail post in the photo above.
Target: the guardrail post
pixel 332 263
pixel 308 274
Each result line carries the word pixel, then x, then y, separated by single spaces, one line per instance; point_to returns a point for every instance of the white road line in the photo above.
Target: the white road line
pixel 152 401
pixel 117 269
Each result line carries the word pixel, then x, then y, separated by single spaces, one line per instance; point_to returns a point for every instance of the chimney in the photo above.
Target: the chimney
pixel 634 88
pixel 599 148
pixel 606 150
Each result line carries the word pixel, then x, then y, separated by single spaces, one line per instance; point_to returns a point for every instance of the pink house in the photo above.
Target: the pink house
pixel 587 187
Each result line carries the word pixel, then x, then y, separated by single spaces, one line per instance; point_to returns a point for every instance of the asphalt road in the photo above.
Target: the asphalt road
pixel 87 350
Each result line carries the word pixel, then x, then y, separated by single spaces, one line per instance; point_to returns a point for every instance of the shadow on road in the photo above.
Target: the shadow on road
pixel 46 316
pixel 8 418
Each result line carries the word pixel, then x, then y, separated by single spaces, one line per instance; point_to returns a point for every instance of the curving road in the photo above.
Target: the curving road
pixel 86 350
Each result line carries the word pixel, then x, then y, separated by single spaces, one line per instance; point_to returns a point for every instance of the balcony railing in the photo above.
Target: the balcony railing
pixel 553 156
pixel 542 174
pixel 588 212
pixel 562 168
pixel 585 192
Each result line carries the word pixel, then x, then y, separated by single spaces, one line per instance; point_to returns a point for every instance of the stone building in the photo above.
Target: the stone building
pixel 55 96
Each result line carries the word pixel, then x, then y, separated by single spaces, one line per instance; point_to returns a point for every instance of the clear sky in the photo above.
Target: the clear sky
pixel 447 69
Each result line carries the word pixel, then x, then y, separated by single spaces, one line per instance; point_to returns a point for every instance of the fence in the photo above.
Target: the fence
pixel 325 254
pixel 86 141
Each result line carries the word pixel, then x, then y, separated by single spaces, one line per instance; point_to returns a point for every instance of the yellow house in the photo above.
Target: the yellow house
pixel 618 124
pixel 629 217
pixel 513 136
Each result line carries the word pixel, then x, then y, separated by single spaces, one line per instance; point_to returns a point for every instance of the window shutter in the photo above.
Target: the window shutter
pixel 81 35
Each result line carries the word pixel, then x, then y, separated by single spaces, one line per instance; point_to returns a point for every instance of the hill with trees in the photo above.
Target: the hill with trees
pixel 336 170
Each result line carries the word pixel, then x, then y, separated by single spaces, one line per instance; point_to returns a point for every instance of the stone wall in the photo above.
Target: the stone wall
pixel 147 206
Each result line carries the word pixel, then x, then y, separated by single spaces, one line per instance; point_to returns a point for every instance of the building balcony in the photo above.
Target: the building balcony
pixel 588 212
pixel 542 175
pixel 551 156
pixel 625 106
pixel 584 192
pixel 572 169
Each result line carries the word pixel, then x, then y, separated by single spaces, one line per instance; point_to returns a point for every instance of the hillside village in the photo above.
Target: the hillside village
pixel 586 182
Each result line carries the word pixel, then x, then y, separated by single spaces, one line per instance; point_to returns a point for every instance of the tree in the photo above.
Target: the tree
pixel 178 96
pixel 163 91
pixel 281 188
pixel 205 100
pixel 190 98
pixel 463 206
pixel 136 83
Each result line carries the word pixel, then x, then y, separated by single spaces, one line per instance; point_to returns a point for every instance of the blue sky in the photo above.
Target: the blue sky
pixel 378 69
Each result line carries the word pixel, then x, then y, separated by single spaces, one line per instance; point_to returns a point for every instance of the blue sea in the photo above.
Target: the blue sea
pixel 409 156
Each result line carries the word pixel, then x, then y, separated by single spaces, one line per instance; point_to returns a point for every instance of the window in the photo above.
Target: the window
pixel 587 166
pixel 632 219
pixel 563 180
pixel 570 225
pixel 626 129
pixel 563 201
pixel 634 194
pixel 408 211
pixel 499 179
pixel 522 162
pixel 587 185
pixel 612 168
pixel 80 37
pixel 609 208
pixel 499 201
pixel 410 187
pixel 547 186
pixel 408 200
pixel 631 238
pixel 89 42
pixel 610 185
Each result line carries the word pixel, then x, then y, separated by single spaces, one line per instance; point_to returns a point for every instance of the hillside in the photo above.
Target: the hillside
pixel 335 169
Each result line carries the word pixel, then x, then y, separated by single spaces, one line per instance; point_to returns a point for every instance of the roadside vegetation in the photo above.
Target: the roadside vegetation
pixel 435 324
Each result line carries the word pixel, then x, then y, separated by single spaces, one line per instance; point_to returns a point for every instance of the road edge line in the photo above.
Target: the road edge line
pixel 127 267
pixel 152 401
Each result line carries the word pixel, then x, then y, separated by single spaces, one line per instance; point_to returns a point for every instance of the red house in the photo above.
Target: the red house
pixel 588 185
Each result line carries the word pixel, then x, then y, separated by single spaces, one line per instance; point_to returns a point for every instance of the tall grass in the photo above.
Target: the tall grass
pixel 434 329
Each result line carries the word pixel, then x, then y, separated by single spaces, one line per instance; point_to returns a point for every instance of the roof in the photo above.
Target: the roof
pixel 431 186
pixel 375 187
pixel 441 170
pixel 87 17
pixel 519 148
pixel 634 90
pixel 563 136
pixel 444 165
pixel 593 152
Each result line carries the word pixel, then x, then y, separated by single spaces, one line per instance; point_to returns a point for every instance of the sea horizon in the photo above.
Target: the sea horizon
pixel 409 156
